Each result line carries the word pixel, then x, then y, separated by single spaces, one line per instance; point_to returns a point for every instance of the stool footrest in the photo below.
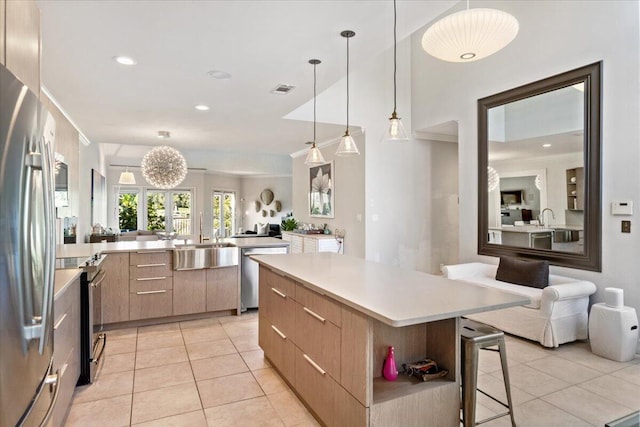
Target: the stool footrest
pixel 493 398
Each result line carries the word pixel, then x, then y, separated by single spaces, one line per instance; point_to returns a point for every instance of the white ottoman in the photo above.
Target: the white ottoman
pixel 613 332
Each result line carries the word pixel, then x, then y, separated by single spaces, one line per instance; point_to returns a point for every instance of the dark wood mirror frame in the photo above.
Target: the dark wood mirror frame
pixel 591 258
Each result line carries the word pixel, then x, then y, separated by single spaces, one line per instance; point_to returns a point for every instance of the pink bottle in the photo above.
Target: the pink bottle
pixel 389 371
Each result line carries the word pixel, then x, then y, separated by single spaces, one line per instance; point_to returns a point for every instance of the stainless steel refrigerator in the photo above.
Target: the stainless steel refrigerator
pixel 28 387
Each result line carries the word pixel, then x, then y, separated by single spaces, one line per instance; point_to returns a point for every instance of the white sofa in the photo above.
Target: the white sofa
pixel 556 314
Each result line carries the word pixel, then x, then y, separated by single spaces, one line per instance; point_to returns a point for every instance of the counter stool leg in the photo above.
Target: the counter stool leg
pixel 469 384
pixel 505 374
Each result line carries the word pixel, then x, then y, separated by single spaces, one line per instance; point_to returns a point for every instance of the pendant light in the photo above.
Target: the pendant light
pixel 314 156
pixel 347 145
pixel 470 34
pixel 127 178
pixel 395 131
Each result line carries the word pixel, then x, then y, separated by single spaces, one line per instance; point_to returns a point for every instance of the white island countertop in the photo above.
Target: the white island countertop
pixel 85 250
pixel 389 294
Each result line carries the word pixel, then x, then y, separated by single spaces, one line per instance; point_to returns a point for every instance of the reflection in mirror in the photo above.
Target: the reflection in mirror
pixel 540 167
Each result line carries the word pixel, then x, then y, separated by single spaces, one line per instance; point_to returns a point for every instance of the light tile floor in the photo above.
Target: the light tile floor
pixel 211 372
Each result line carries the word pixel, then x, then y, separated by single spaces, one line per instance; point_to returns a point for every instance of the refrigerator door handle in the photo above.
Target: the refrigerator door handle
pixel 51 380
pixel 50 236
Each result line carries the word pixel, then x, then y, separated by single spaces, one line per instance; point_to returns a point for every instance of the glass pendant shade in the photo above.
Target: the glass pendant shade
pixel 470 35
pixel 396 131
pixel 164 167
pixel 314 156
pixel 127 178
pixel 347 146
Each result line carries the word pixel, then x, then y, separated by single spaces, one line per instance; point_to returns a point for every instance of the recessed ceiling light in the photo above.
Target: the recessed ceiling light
pixel 202 107
pixel 124 60
pixel 546 145
pixel 164 134
pixel 218 74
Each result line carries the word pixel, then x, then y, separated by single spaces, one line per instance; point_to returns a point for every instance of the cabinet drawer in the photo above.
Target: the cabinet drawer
pixel 278 347
pixel 318 338
pixel 144 284
pixel 149 270
pixel 159 303
pixel 281 283
pixel 281 311
pixel 320 305
pixel 315 386
pixel 69 372
pixel 150 257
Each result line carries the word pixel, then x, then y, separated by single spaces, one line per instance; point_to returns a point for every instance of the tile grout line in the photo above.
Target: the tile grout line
pixel 135 360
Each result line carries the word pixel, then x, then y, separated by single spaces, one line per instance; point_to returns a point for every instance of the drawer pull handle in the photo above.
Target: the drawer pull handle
pixel 150 265
pixel 316 315
pixel 64 369
pixel 314 364
pixel 277 292
pixel 59 322
pixel 151 292
pixel 150 252
pixel 143 279
pixel 283 336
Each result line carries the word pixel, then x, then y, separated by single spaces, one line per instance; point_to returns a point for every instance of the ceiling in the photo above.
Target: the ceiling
pixel 175 43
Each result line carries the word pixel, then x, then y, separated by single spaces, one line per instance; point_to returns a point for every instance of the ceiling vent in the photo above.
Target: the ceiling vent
pixel 283 89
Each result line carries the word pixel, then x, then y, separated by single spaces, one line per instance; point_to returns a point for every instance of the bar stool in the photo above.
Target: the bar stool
pixel 476 336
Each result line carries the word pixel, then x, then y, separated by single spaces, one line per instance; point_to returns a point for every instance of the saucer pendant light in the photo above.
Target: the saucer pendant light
pixel 470 35
pixel 347 145
pixel 314 156
pixel 395 130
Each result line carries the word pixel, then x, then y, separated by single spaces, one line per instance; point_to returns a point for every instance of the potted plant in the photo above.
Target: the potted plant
pixel 289 223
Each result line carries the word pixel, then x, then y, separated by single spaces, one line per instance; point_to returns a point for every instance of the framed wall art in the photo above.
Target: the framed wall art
pixel 321 191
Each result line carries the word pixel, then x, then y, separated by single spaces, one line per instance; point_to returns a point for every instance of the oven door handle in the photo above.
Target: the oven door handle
pixel 103 338
pixel 96 283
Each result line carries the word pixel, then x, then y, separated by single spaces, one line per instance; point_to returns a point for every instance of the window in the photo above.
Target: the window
pixel 169 210
pixel 224 206
pixel 128 210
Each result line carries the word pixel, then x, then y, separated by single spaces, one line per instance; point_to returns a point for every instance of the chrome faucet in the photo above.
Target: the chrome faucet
pixel 216 235
pixel 202 238
pixel 541 216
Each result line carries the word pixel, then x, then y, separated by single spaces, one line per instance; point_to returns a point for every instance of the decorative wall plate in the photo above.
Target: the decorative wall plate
pixel 257 205
pixel 278 205
pixel 264 213
pixel 272 213
pixel 266 196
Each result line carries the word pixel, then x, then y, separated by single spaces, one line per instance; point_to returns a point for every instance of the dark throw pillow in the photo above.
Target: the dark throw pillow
pixel 534 274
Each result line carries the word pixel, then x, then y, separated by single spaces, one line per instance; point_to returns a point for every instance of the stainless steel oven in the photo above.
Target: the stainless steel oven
pixel 93 339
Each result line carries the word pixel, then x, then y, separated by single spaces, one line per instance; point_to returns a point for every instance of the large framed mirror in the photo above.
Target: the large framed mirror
pixel 539 170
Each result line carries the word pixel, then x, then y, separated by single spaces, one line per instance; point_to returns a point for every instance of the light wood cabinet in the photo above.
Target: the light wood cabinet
pixel 22 42
pixel 66 353
pixel 338 354
pixel 222 288
pixel 115 288
pixel 312 243
pixel 151 285
pixel 189 291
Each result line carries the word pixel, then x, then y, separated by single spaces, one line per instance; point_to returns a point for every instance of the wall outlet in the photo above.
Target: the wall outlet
pixel 626 226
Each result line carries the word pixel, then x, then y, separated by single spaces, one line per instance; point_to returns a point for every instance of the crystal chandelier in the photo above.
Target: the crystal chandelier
pixel 493 178
pixel 164 167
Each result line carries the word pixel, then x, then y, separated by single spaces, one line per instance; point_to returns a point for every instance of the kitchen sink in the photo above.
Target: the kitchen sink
pixel 207 255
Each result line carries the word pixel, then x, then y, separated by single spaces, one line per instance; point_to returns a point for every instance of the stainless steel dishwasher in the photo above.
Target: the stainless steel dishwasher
pixel 249 274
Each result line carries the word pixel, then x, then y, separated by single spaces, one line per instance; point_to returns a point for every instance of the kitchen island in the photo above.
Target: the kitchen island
pixel 326 322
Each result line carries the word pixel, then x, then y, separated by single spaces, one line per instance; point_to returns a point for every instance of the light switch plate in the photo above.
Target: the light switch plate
pixel 622 207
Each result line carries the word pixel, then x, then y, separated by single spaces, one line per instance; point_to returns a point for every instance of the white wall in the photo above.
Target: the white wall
pixel 348 186
pixel 554 37
pixel 250 192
